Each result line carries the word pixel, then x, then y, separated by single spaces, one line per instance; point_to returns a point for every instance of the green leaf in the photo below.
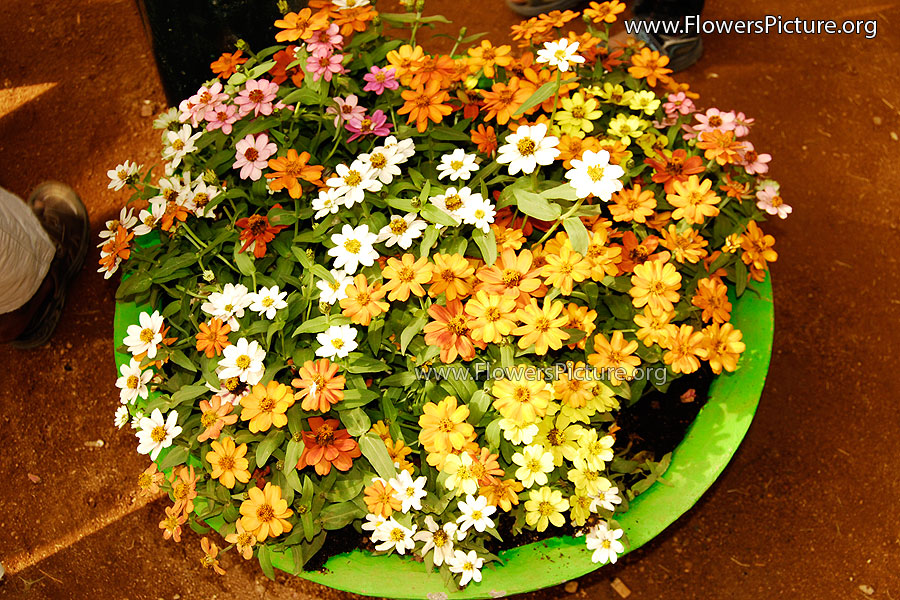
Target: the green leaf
pixel 740 277
pixel 563 191
pixel 403 380
pixel 265 561
pixel 487 243
pixel 134 284
pixel 365 364
pixel 433 214
pixel 545 92
pixel 243 261
pixel 187 393
pixel 335 516
pixel 373 448
pixel 356 421
pixel 266 447
pixel 179 358
pixel 320 324
pixel 411 331
pixel 176 455
pixel 578 234
pixel 536 206
pixel 478 404
pixel 354 398
pixel 292 455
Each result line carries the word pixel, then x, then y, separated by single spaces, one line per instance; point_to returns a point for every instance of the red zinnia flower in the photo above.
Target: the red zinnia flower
pixel 677 167
pixel 258 231
pixel 326 445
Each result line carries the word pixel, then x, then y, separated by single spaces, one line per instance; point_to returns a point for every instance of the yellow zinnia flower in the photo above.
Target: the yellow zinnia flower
pixel 686 349
pixel 228 462
pixel 265 406
pixel 564 269
pixel 541 326
pixel 444 426
pixel 545 506
pixel 523 401
pixel 265 513
pixel 655 284
pixel 614 356
pixel 491 316
pixel 723 346
pixel 406 275
pixel 577 113
pixel 693 200
pixel 655 327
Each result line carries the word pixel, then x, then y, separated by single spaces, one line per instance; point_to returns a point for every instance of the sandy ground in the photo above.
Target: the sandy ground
pixel 808 507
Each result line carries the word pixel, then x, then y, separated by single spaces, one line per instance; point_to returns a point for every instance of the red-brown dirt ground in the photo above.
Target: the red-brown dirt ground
pixel 807 509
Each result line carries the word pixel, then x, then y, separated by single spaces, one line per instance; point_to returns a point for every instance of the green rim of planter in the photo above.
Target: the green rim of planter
pixel 710 443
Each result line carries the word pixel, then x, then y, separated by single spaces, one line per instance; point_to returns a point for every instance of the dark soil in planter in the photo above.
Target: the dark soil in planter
pixel 652 427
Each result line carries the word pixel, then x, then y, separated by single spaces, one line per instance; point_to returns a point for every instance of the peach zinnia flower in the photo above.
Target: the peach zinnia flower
pixel 213 338
pixel 210 556
pixel 564 269
pixel 490 316
pixel 655 284
pixel 687 348
pixel 614 354
pixel 265 406
pixel 712 299
pixel 149 480
pixel 214 415
pixel 450 331
pixel 265 513
pixel 486 56
pixel 443 426
pixel 541 326
pixel 451 276
pixel 649 65
pixel 502 494
pixel 406 275
pixel 512 275
pixel 425 103
pixel 723 346
pixel 288 169
pixel 171 525
pixel 327 446
pixel 362 303
pixel 379 498
pixel 242 539
pixel 319 385
pixel 633 204
pixel 675 167
pixel 228 462
pixel 184 488
pixel 721 146
pixel 655 327
pixel 693 200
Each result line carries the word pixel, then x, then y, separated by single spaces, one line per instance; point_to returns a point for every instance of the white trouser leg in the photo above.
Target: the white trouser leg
pixel 26 252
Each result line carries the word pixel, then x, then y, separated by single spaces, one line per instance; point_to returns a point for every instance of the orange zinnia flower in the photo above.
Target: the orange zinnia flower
pixel 614 354
pixel 451 276
pixel 633 204
pixel 352 19
pixel 282 69
pixel 406 61
pixel 674 167
pixel 224 66
pixel 440 69
pixel 564 269
pixel 116 249
pixel 406 275
pixel 299 25
pixel 686 350
pixel 258 231
pixel 557 18
pixel 291 168
pixel 424 104
pixel 687 246
pixel 582 318
pixel 379 498
pixel 604 12
pixel 513 275
pixel 649 65
pixel 503 100
pixel 184 488
pixel 571 147
pixel 265 513
pixel 757 250
pixel 655 284
pixel 723 346
pixel 171 525
pixel 450 331
pixel 485 138
pixel 214 416
pixel 486 57
pixel 210 558
pixel 320 386
pixel 443 426
pixel 213 337
pixel 720 146
pixel 228 462
pixel 712 299
pixel 362 303
pixel 502 494
pixel 491 316
pixel 327 446
pixel 265 406
pixel 174 212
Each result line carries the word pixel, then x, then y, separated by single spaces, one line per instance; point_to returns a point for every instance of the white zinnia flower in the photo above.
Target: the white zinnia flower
pixel 468 565
pixel 407 491
pixel 438 538
pixel 126 219
pixel 179 144
pixel 121 417
pixel 457 165
pixel 372 522
pixel 243 360
pixel 198 198
pixel 606 499
pixel 150 218
pixel 383 163
pixel 594 175
pixel 337 341
pixel 394 536
pixel 329 201
pixel 167 118
pixel 559 54
pixel 604 542
pixel 146 336
pixel 229 304
pixel 455 202
pixel 157 433
pixel 405 148
pixel 353 247
pixel 136 420
pixel 352 183
pixel 332 293
pixel 479 212
pixel 122 175
pixel 534 464
pixel 475 513
pixel 517 433
pixel 402 231
pixel 527 148
pixel 133 382
pixel 267 301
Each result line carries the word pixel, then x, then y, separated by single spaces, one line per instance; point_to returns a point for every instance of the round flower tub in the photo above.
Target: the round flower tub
pixel 696 463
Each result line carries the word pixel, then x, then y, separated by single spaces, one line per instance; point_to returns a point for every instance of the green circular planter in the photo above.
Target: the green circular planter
pixel 696 463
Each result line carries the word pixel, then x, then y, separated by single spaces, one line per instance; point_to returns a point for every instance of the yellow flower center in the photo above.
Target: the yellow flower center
pixel 457 325
pixel 595 173
pixel 399 226
pixel 226 463
pixel 511 278
pixel 456 165
pixel 352 179
pixel 492 314
pixel 406 274
pixel 546 509
pixel 268 301
pixel 555 437
pixel 353 246
pixel 147 335
pixel 132 382
pixel 445 425
pixel 266 404
pixel 232 383
pixel 158 434
pixel 526 146
pixel 209 419
pixel 265 513
pixel 453 202
pixel 178 144
pixel 337 343
pixel 242 362
pixel 440 538
pixel 397 535
pixel 378 160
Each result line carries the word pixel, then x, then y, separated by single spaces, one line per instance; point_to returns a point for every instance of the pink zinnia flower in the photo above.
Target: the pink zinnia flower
pixel 196 107
pixel 742 125
pixel 376 124
pixel 221 116
pixel 771 202
pixel 346 109
pixel 325 41
pixel 714 119
pixel 679 104
pixel 257 97
pixel 754 163
pixel 253 155
pixel 324 66
pixel 380 79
